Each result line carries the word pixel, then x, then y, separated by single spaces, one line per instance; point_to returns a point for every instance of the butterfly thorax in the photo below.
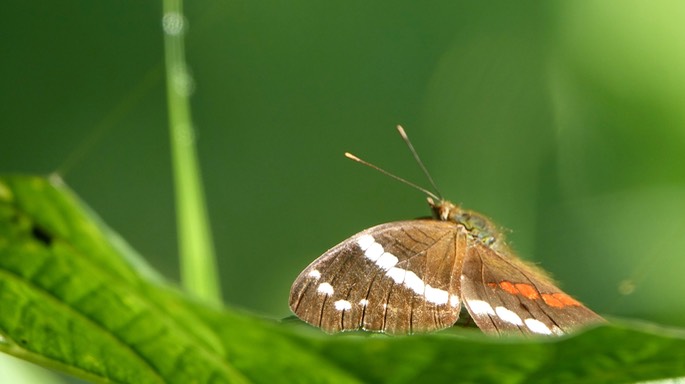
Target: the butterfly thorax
pixel 478 226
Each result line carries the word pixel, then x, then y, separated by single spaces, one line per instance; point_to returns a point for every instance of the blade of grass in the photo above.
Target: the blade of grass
pixel 198 263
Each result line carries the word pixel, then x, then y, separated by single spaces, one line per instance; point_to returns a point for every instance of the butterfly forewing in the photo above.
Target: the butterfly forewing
pixel 505 295
pixel 397 278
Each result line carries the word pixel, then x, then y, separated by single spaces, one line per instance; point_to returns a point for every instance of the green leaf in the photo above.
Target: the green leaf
pixel 75 297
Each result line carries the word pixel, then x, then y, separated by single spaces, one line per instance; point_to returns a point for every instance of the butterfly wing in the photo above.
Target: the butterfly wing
pixel 505 295
pixel 397 278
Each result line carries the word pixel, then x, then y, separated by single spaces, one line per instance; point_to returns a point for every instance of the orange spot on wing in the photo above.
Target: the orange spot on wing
pixel 509 287
pixel 528 291
pixel 552 301
pixel 559 300
pixel 566 299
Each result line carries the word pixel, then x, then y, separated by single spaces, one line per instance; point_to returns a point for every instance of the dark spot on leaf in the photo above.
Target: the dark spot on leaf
pixel 41 235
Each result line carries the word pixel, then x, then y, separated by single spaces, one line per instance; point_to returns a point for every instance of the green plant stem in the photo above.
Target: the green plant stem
pixel 198 264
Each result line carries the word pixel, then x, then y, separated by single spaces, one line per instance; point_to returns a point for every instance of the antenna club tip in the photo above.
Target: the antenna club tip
pixel 351 156
pixel 401 131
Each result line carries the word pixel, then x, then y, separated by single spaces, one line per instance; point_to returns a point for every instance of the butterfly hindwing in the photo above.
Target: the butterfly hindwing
pixel 398 278
pixel 505 295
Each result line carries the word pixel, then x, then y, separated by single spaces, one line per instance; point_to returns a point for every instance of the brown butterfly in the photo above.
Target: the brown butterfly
pixel 415 275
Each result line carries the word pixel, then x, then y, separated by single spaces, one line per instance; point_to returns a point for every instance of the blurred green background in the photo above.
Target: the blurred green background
pixel 562 121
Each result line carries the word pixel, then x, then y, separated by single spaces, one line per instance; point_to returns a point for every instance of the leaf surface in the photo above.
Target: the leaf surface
pixel 75 297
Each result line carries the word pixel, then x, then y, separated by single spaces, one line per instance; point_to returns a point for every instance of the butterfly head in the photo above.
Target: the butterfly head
pixel 443 210
pixel 479 226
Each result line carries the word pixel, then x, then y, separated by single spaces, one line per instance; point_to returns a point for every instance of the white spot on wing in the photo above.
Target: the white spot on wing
pixel 365 242
pixel 414 282
pixel 387 261
pixel 325 288
pixel 373 252
pixel 435 295
pixel 342 305
pixel 537 326
pixel 397 274
pixel 479 307
pixel 508 316
pixel 454 301
pixel 315 274
pixel 363 302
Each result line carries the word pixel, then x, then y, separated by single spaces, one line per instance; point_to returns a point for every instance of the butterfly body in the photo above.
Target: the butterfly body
pixel 478 226
pixel 415 276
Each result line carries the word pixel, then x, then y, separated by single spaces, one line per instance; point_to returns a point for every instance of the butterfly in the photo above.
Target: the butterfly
pixel 415 276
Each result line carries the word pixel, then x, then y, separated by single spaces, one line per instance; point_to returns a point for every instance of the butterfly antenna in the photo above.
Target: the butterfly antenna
pixel 418 159
pixel 381 170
